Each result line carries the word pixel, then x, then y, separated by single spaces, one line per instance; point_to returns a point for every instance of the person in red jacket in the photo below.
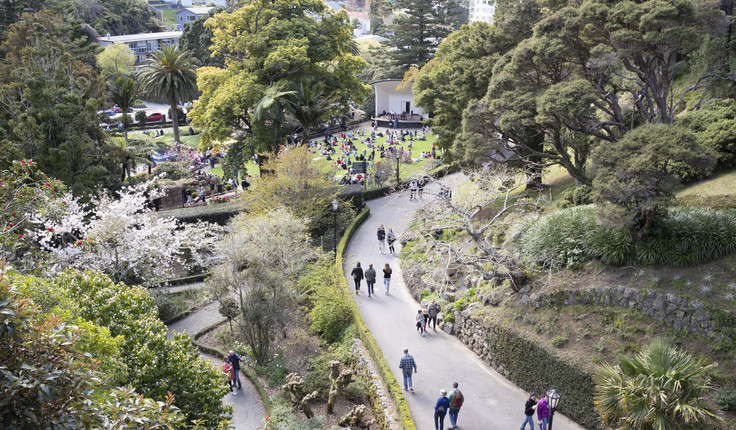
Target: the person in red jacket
pixel 228 369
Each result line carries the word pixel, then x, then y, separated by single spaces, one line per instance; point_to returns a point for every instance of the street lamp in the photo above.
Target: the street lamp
pixel 335 203
pixel 398 158
pixel 553 396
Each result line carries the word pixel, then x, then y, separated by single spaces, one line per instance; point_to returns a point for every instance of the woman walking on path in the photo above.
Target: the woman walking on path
pixel 228 369
pixel 386 276
pixel 381 233
pixel 357 275
pixel 440 410
pixel 420 322
pixel 390 238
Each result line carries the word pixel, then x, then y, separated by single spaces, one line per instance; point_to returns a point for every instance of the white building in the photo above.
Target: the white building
pixel 395 105
pixel 143 44
pixel 189 15
pixel 190 3
pixel 481 10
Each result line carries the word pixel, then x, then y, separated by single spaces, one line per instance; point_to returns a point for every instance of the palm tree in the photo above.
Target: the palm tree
pixel 273 106
pixel 170 74
pixel 135 151
pixel 311 104
pixel 124 91
pixel 660 388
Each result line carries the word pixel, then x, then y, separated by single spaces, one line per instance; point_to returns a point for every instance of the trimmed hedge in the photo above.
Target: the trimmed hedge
pixel 219 353
pixel 217 214
pixel 407 423
pixel 182 281
pixel 531 366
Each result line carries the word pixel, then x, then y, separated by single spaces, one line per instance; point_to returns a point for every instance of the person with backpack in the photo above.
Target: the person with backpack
pixel 357 275
pixel 440 410
pixel 456 400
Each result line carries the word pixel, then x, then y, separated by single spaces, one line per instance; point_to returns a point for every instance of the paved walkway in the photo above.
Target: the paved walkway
pixel 491 401
pixel 248 410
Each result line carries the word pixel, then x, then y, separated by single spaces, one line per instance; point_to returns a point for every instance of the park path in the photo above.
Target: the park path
pixel 491 401
pixel 248 409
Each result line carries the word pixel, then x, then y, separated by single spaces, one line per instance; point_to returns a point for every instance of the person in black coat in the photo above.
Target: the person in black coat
pixel 357 275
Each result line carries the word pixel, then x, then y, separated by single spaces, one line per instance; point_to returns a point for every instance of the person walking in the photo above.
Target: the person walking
pixel 413 189
pixel 390 238
pixel 227 368
pixel 370 279
pixel 235 362
pixel 543 412
pixel 456 400
pixel 381 239
pixel 420 188
pixel 357 275
pixel 432 311
pixel 420 322
pixel 529 407
pixel 407 364
pixel 387 277
pixel 440 410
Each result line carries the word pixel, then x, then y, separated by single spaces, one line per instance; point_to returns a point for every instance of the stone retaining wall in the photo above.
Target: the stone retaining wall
pixel 378 396
pixel 678 312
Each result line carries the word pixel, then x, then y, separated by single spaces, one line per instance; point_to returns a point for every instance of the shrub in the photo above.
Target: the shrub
pixel 330 313
pixel 173 170
pixel 356 391
pixel 725 397
pixel 679 237
pixel 449 316
pixel 140 117
pixel 576 196
pixel 228 187
pixel 459 304
pixel 165 304
pixel 559 341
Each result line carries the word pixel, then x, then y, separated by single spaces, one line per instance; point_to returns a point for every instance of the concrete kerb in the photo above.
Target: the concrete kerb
pixel 407 422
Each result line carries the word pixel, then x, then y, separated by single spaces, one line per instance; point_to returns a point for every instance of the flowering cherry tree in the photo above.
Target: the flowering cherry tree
pixel 124 238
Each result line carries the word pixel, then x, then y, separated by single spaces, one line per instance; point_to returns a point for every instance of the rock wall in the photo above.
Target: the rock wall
pixel 678 312
pixel 378 395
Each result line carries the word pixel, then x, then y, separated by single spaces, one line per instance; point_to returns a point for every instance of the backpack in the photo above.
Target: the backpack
pixel 457 399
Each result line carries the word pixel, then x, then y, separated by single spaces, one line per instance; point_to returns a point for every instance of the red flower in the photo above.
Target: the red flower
pixel 47 184
pixel 51 229
pixel 13 213
pixel 79 242
pixel 20 236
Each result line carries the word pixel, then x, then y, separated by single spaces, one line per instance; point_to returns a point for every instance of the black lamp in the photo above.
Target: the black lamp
pixel 553 397
pixel 335 204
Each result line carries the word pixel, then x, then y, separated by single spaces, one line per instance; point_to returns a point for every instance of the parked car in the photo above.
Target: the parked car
pixel 156 116
pixel 118 109
pixel 106 112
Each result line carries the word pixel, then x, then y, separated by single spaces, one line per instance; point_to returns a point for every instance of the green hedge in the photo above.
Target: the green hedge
pixel 365 334
pixel 182 281
pixel 531 366
pixel 216 214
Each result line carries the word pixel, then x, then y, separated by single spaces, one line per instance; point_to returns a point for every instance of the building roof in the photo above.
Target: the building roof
pixel 334 5
pixel 141 37
pixel 197 10
pixel 393 85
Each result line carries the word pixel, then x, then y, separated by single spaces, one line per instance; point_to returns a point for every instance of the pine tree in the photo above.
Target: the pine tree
pixel 418 28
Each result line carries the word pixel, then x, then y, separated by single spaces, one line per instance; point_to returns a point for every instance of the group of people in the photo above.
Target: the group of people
pixel 231 367
pixel 416 189
pixel 428 315
pixel 542 409
pixel 370 278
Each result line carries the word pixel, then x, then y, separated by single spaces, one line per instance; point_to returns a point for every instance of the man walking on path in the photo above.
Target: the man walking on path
pixel 235 361
pixel 456 402
pixel 432 310
pixel 529 407
pixel 407 364
pixel 543 412
pixel 381 239
pixel 370 279
pixel 357 275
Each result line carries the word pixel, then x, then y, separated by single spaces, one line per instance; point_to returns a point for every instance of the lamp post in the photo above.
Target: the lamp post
pixel 398 158
pixel 335 203
pixel 553 396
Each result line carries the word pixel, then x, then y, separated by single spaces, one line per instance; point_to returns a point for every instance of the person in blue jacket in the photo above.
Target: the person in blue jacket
pixel 440 410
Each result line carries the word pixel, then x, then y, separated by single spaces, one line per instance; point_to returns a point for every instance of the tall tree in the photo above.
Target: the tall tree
pixel 115 60
pixel 273 108
pixel 272 44
pixel 418 28
pixel 124 91
pixel 311 104
pixel 197 39
pixel 660 388
pixel 170 75
pixel 48 103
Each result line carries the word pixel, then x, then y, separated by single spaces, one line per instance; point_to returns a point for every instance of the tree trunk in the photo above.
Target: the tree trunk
pixel 174 116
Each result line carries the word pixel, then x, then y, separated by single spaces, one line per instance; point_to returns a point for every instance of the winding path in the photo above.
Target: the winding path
pixel 491 401
pixel 248 410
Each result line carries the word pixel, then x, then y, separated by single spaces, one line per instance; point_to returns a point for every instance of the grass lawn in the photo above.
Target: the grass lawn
pixel 168 137
pixel 169 16
pixel 406 170
pixel 721 184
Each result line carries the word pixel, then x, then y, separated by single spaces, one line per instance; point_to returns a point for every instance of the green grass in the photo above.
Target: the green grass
pixel 169 16
pixel 168 137
pixel 722 184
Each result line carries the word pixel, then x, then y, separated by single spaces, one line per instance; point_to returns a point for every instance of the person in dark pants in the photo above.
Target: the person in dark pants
pixel 432 310
pixel 357 275
pixel 440 410
pixel 235 361
pixel 456 399
pixel 370 279
pixel 529 407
